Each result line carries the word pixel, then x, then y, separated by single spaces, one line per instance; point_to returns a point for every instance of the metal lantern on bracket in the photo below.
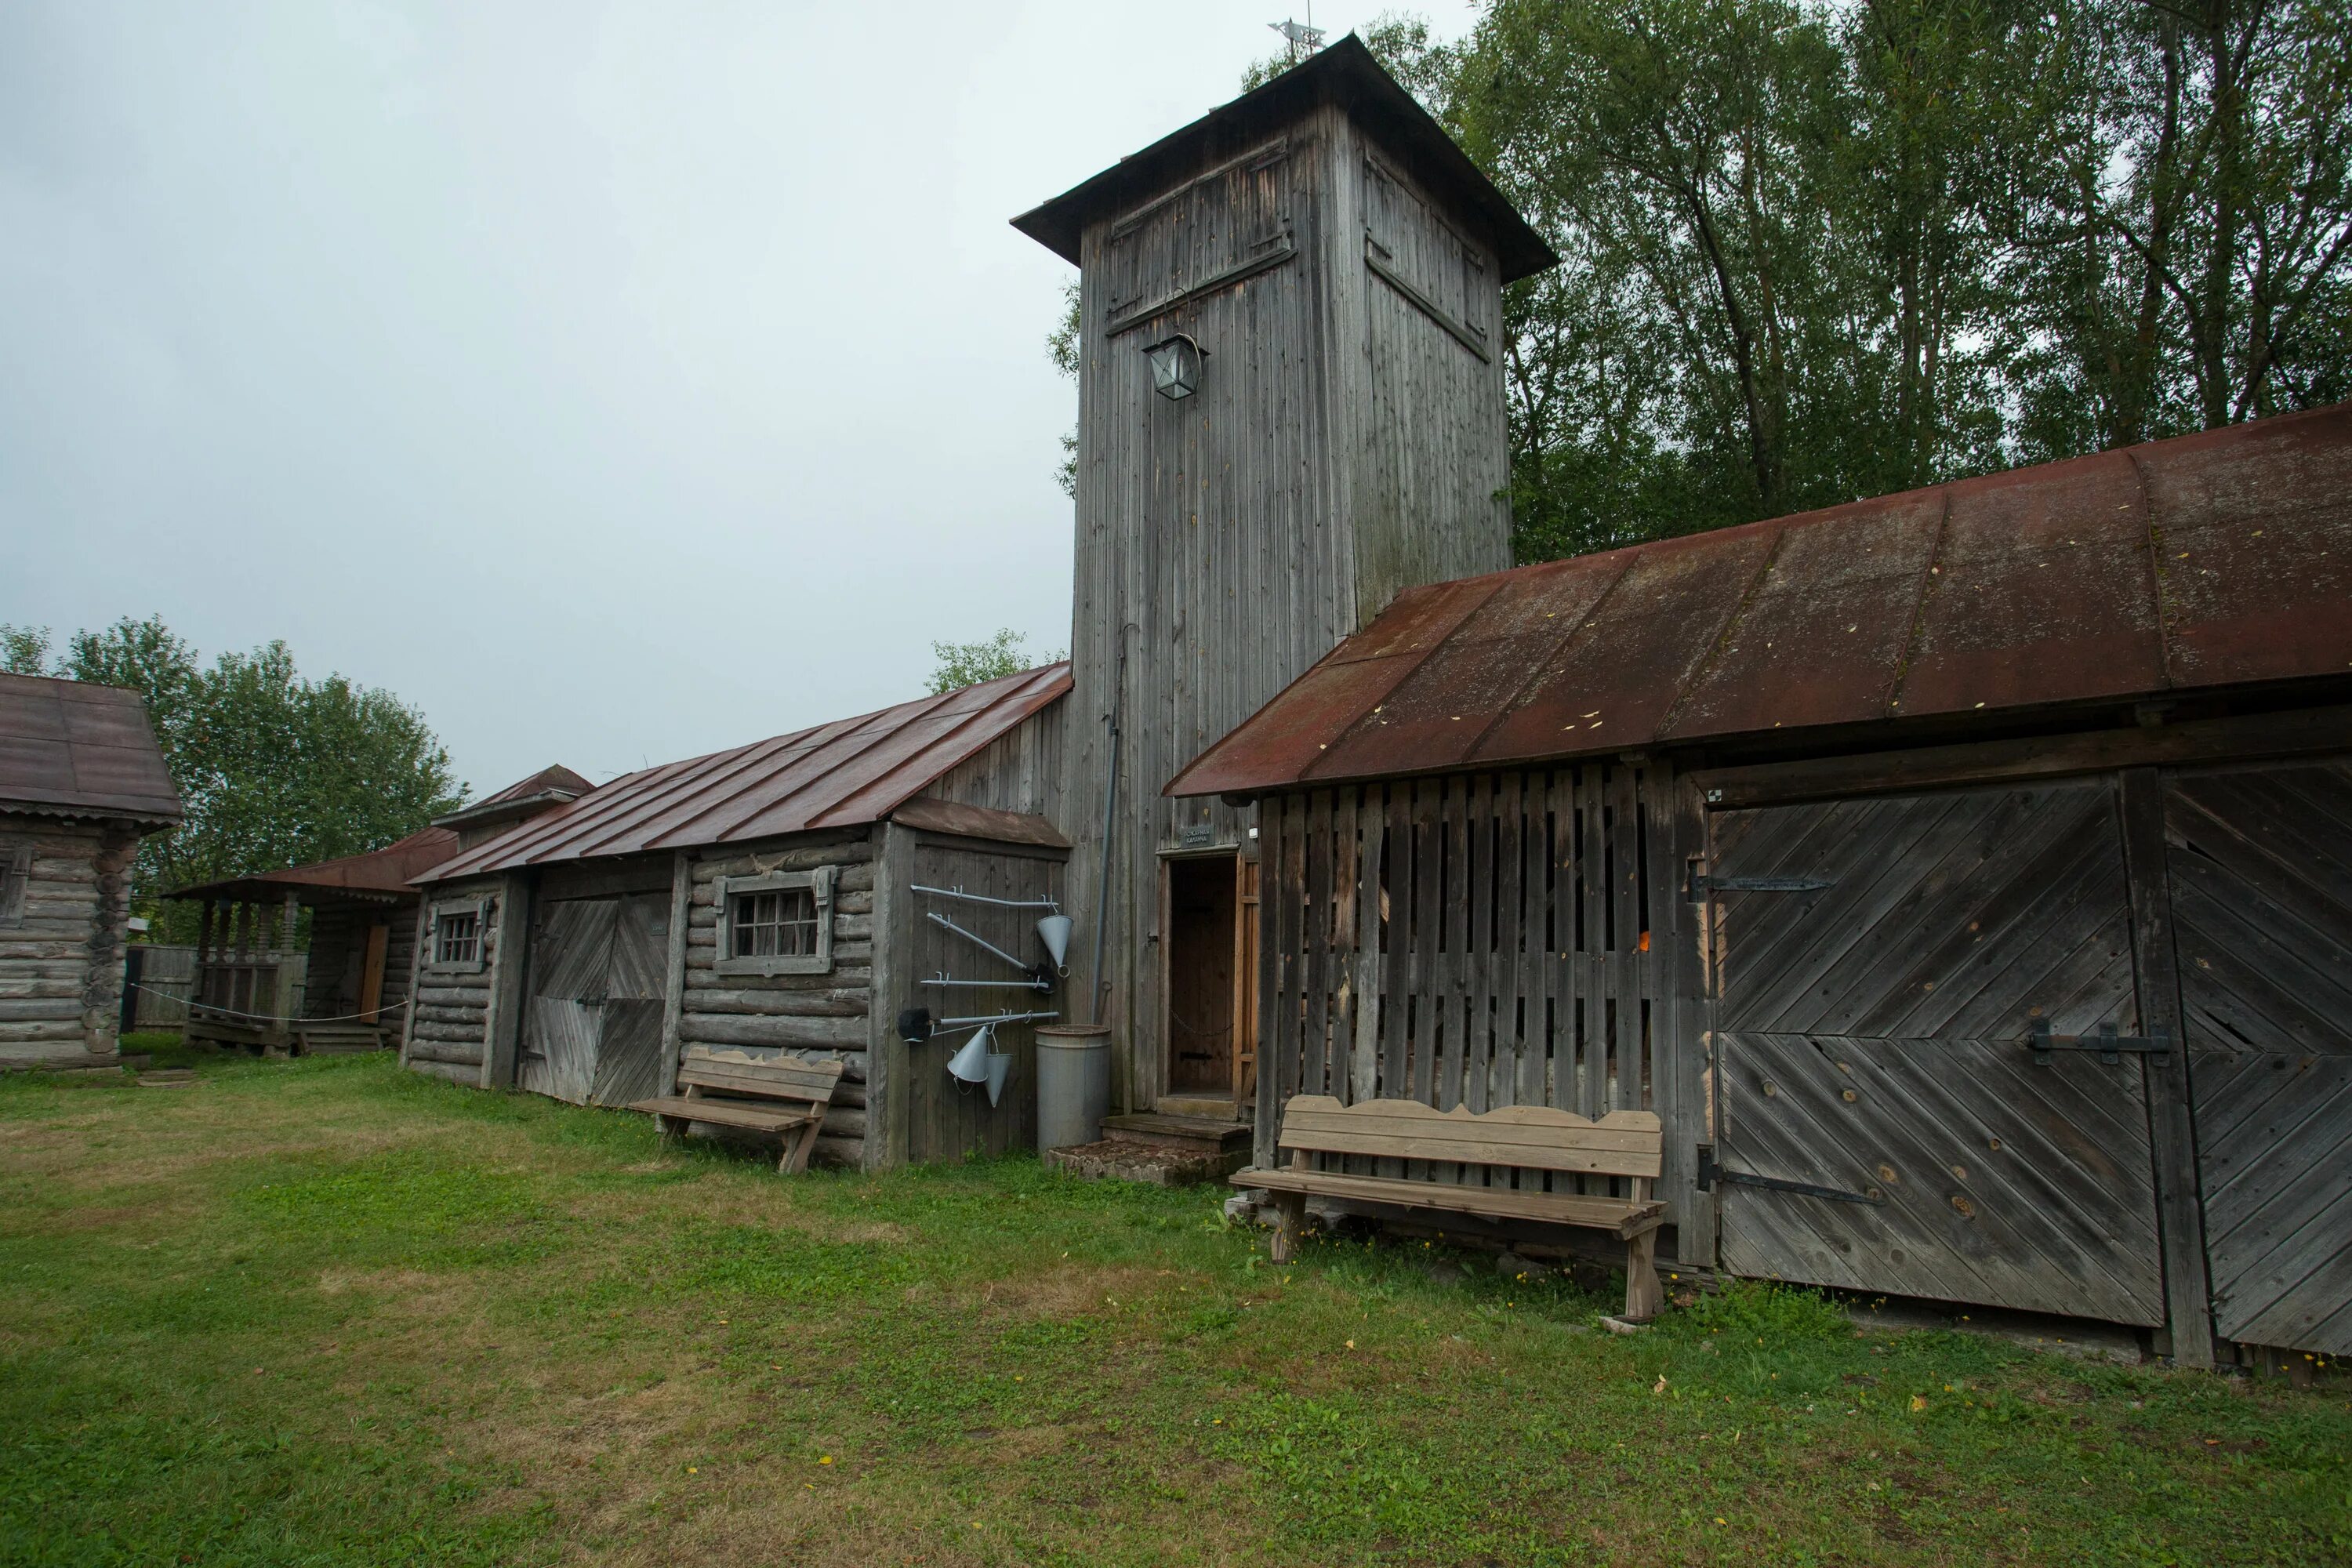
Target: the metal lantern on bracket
pixel 1175 366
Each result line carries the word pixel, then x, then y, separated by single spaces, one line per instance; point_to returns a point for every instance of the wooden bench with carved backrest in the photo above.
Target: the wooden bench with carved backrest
pixel 1529 1138
pixel 783 1095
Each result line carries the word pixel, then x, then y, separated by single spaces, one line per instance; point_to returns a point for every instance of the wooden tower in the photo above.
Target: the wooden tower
pixel 1339 262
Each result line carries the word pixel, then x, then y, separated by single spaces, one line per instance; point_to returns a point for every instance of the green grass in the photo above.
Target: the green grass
pixel 323 1312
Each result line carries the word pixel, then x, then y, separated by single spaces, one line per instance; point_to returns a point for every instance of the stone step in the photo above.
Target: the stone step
pixel 1197 1134
pixel 1126 1158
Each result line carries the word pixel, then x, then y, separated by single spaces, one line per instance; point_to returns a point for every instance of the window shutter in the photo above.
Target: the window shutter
pixel 16 878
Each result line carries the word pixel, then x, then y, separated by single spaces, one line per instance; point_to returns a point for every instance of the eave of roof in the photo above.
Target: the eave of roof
pixel 2213 561
pixel 850 772
pixel 71 749
pixel 1345 74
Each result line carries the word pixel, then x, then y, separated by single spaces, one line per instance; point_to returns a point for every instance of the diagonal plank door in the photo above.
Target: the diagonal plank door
pixel 1870 1040
pixel 628 1045
pixel 2259 863
pixel 571 951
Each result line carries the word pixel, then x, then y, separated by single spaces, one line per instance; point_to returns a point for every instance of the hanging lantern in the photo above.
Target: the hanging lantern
pixel 1176 367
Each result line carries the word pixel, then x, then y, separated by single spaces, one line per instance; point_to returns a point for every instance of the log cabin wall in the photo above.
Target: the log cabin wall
pixel 65 899
pixel 1347 441
pixel 454 1013
pixel 820 1015
pixel 922 1113
pixel 1514 937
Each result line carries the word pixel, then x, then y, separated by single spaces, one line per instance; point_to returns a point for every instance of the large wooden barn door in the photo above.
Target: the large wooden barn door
pixel 2260 866
pixel 1881 965
pixel 569 953
pixel 593 1032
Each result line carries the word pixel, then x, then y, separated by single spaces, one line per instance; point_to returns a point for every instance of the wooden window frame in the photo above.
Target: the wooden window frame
pixel 818 883
pixel 15 878
pixel 445 909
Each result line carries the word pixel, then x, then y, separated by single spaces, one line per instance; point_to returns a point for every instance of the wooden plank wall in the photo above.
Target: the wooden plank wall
pixel 1482 941
pixel 449 1018
pixel 816 1016
pixel 932 1117
pixel 1227 541
pixel 1019 771
pixel 61 956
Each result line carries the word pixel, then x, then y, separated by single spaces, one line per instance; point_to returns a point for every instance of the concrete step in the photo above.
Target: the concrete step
pixel 1193 1134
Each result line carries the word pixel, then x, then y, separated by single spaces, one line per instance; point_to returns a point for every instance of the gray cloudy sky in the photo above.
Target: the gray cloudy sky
pixel 614 382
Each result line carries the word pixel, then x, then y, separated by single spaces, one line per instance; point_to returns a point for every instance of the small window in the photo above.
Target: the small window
pixel 457 938
pixel 780 923
pixel 15 876
pixel 458 935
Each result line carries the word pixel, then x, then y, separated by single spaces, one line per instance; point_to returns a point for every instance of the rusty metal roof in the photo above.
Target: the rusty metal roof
pixel 2211 561
pixel 1345 74
pixel 842 774
pixel 69 748
pixel 389 871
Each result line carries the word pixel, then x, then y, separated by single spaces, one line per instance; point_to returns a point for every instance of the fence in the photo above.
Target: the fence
pixel 167 973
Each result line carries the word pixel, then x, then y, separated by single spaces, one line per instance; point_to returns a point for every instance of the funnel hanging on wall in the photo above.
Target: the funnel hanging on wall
pixel 1053 931
pixel 969 1064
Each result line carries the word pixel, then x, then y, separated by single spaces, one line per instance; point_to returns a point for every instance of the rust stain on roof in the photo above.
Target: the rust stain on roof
pixel 2208 561
pixel 846 774
pixel 67 748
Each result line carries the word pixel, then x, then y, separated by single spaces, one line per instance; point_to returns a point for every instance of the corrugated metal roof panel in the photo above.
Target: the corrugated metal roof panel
pixel 844 774
pixel 2208 561
pixel 67 746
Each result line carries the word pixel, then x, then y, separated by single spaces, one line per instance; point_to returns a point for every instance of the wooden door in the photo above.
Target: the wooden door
pixel 2259 866
pixel 370 1001
pixel 629 1043
pixel 1871 1039
pixel 571 951
pixel 1245 982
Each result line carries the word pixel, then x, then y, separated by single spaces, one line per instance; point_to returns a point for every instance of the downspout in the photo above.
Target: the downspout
pixel 1110 803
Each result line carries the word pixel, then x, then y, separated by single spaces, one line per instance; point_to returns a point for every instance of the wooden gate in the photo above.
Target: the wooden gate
pixel 2259 862
pixel 1880 965
pixel 592 1033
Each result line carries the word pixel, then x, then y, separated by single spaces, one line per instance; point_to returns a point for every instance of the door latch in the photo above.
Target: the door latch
pixel 2110 1045
pixel 1696 887
pixel 1710 1172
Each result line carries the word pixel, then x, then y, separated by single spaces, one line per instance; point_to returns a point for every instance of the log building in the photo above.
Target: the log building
pixel 776 897
pixel 361 939
pixel 1962 876
pixel 81 782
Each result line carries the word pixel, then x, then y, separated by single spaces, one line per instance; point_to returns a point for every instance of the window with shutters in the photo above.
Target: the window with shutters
pixel 777 923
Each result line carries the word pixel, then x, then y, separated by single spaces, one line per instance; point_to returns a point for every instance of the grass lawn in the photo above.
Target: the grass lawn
pixel 325 1312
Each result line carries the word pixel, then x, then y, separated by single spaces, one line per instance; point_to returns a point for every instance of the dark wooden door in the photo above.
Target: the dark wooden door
pixel 2259 863
pixel 1871 1041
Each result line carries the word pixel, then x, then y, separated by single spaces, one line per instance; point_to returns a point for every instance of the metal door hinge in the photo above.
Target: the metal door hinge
pixel 1696 887
pixel 1710 1172
pixel 2110 1045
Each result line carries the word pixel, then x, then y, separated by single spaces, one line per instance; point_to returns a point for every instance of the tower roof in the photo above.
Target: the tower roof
pixel 1345 75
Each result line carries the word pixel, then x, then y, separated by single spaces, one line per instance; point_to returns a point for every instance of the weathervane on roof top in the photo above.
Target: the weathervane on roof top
pixel 1304 37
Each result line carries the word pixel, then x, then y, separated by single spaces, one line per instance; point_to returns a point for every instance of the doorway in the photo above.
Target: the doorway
pixel 1211 980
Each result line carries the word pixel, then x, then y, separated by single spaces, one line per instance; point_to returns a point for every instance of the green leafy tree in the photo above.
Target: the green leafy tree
pixel 1062 348
pixel 970 663
pixel 273 769
pixel 23 650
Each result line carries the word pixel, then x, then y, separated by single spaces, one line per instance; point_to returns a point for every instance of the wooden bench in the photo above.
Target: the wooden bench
pixel 783 1095
pixel 1533 1138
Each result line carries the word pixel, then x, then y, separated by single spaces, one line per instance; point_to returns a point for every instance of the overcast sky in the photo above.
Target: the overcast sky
pixel 615 382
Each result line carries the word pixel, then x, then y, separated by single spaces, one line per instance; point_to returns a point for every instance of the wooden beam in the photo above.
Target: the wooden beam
pixel 2181 1212
pixel 681 907
pixel 2235 739
pixel 510 961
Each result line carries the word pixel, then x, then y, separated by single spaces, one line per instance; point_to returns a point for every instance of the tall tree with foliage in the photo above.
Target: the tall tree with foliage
pixel 963 664
pixel 274 769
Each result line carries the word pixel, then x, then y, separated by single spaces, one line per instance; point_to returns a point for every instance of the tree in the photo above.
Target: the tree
pixel 23 650
pixel 1062 348
pixel 273 769
pixel 970 663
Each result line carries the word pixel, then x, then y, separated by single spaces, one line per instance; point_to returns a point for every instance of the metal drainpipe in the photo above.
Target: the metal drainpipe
pixel 1110 803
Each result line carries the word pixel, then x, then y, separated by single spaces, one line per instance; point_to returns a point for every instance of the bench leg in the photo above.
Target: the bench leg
pixel 666 1131
pixel 1290 1209
pixel 1643 1296
pixel 799 1144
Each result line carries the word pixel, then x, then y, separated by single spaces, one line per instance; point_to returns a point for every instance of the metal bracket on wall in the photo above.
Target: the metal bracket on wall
pixel 1696 887
pixel 1710 1172
pixel 2110 1045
